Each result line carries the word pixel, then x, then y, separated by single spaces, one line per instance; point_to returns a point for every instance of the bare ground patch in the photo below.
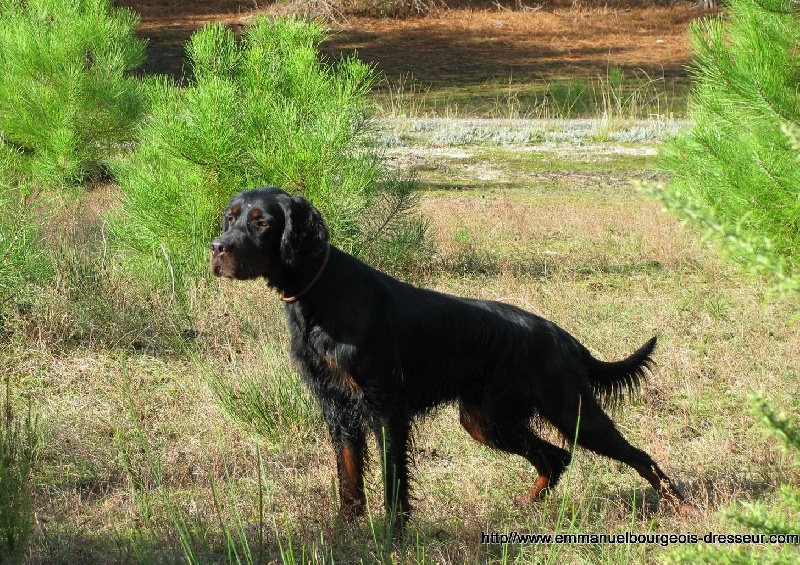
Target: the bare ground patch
pixel 467 46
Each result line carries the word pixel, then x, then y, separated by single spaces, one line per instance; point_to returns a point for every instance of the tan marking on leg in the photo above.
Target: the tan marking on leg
pixel 351 483
pixel 539 485
pixel 473 425
pixel 346 378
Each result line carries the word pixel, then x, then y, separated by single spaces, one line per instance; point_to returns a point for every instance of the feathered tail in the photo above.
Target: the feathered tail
pixel 611 381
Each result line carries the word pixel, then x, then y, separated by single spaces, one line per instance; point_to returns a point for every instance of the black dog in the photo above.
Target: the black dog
pixel 377 352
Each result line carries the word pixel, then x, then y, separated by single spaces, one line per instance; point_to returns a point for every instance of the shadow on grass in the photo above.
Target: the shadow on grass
pixel 470 261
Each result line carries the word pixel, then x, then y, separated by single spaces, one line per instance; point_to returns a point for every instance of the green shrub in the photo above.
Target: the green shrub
pixel 735 168
pixel 260 110
pixel 18 454
pixel 65 101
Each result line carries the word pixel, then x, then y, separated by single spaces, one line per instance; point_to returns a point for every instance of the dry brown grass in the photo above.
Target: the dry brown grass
pixel 473 46
pixel 607 266
pixel 581 248
pixel 466 44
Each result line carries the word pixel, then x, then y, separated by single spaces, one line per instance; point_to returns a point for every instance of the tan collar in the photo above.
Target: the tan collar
pixel 289 299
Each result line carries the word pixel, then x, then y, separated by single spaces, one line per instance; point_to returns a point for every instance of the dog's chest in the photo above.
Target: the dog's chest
pixel 328 363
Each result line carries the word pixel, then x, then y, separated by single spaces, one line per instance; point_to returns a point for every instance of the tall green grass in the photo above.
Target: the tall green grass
pixel 271 403
pixel 23 259
pixel 25 264
pixel 66 100
pixel 615 96
pixel 19 452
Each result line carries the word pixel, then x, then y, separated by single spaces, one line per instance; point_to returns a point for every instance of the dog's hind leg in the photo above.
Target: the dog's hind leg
pixel 508 431
pixel 597 432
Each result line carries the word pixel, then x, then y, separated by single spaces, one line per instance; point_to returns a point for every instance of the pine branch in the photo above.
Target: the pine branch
pixel 774 108
pixel 787 11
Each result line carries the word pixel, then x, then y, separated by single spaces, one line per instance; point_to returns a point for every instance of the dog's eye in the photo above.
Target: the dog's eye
pixel 262 223
pixel 229 220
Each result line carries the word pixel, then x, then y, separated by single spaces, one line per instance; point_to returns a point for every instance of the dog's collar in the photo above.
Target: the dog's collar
pixel 289 299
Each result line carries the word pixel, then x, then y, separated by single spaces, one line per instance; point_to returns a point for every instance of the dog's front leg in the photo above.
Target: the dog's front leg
pixel 346 428
pixel 393 436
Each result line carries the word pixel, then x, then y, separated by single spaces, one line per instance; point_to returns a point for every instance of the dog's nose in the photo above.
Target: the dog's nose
pixel 217 247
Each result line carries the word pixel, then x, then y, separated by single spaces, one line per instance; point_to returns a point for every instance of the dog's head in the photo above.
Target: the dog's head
pixel 267 233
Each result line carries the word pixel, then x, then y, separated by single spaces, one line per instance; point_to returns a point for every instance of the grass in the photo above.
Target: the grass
pixel 524 159
pixel 18 455
pixel 586 251
pixel 615 95
pixel 170 439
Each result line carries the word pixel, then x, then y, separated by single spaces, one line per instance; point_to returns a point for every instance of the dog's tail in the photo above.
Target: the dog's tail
pixel 611 381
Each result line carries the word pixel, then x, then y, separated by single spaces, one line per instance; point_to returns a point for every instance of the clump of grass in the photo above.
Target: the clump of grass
pixel 463 257
pixel 624 98
pixel 23 259
pixel 615 97
pixel 162 514
pixel 65 99
pixel 19 451
pixel 271 403
pixel 563 99
pixel 401 98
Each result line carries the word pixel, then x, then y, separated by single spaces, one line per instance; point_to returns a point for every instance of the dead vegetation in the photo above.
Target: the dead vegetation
pixel 137 445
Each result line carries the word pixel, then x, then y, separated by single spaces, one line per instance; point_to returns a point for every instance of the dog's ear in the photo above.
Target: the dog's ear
pixel 304 230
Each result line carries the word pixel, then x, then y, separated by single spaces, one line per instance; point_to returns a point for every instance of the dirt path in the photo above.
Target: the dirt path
pixel 464 46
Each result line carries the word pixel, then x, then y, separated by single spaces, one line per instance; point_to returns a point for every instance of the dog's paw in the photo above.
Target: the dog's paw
pixel 685 509
pixel 538 491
